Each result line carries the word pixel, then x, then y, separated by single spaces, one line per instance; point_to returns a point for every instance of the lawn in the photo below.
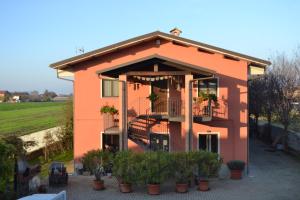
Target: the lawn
pixel 24 118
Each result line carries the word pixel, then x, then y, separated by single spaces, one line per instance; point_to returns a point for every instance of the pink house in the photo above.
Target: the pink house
pixel 171 93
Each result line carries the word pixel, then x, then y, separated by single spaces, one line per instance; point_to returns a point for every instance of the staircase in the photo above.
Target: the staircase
pixel 140 127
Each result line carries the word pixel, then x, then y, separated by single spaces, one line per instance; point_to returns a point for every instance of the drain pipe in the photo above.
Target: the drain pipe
pixel 190 107
pixel 73 111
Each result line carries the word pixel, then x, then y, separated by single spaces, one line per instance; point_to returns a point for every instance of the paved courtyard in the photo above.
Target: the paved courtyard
pixel 273 175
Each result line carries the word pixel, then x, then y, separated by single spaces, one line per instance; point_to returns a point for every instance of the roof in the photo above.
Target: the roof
pixel 165 59
pixel 157 34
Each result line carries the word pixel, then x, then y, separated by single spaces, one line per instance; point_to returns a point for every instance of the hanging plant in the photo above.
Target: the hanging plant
pixel 153 97
pixel 109 109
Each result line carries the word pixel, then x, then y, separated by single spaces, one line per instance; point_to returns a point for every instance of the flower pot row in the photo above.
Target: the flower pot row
pixel 154 168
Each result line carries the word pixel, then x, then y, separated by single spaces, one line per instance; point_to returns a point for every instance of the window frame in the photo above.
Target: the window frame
pixel 102 88
pixel 217 81
pixel 209 133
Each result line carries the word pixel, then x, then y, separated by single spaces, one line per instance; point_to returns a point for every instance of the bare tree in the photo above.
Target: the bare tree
pixel 268 107
pixel 285 80
pixel 256 100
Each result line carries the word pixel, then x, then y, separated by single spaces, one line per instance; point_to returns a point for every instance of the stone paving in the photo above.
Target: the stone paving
pixel 273 175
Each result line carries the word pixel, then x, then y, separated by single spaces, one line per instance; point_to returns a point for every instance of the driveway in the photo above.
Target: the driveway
pixel 273 175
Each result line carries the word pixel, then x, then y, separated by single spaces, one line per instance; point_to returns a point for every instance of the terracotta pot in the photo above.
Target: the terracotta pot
pixel 125 187
pixel 203 185
pixel 153 189
pixel 98 185
pixel 236 174
pixel 182 187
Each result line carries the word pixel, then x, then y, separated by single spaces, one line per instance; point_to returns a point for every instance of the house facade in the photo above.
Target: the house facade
pixel 170 93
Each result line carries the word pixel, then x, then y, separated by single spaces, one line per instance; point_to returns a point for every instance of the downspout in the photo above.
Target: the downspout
pixel 73 112
pixel 124 109
pixel 192 120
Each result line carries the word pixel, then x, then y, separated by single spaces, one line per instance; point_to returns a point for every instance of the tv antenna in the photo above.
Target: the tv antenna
pixel 79 50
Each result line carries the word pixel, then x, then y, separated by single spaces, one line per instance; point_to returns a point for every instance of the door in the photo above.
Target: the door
pixel 209 142
pixel 159 142
pixel 110 142
pixel 160 88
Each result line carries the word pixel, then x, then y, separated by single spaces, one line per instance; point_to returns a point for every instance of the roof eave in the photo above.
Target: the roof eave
pixel 135 40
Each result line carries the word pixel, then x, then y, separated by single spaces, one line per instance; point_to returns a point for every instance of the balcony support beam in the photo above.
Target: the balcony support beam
pixel 188 124
pixel 123 112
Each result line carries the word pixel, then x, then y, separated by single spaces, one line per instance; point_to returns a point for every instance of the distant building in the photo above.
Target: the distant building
pixel 60 98
pixel 3 95
pixel 16 99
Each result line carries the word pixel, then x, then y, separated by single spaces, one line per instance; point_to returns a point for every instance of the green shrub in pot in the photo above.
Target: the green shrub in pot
pixel 182 166
pixel 125 169
pixel 236 167
pixel 155 168
pixel 208 166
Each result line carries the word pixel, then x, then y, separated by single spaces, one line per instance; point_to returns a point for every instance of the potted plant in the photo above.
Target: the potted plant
pixel 236 167
pixel 98 171
pixel 96 161
pixel 153 97
pixel 124 170
pixel 154 170
pixel 182 170
pixel 208 166
pixel 109 110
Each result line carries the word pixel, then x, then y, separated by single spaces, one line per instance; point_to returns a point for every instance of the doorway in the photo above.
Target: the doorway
pixel 209 142
pixel 110 142
pixel 160 88
pixel 159 142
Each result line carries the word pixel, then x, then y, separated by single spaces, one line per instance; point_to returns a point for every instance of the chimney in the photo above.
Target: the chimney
pixel 175 31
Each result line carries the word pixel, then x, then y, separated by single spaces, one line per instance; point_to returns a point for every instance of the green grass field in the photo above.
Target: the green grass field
pixel 24 118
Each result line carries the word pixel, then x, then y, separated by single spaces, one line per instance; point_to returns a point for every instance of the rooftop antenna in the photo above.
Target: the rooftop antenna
pixel 79 50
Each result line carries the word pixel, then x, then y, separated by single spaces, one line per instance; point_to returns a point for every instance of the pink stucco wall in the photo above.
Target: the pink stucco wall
pixel 232 114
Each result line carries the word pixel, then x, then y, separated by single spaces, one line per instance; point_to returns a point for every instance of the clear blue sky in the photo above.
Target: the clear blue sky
pixel 34 34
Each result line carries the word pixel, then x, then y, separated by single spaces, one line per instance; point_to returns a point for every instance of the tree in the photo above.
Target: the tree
pixel 285 81
pixel 48 95
pixel 34 96
pixel 256 100
pixel 66 133
pixel 268 103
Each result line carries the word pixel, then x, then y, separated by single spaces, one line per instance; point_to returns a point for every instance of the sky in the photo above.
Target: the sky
pixel 34 34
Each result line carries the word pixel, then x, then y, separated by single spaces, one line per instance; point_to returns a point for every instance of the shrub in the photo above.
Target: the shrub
pixel 208 164
pixel 183 165
pixel 236 165
pixel 155 167
pixel 125 167
pixel 6 165
pixel 93 158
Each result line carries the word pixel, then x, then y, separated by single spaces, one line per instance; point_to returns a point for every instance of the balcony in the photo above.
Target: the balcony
pixel 110 123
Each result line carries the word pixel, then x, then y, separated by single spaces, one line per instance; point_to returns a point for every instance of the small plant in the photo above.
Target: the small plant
pixel 98 170
pixel 236 165
pixel 109 110
pixel 153 97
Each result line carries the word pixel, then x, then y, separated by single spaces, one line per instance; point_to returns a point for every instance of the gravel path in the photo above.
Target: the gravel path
pixel 273 175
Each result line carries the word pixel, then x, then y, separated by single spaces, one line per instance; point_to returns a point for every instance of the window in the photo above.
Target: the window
pixel 110 88
pixel 209 142
pixel 208 86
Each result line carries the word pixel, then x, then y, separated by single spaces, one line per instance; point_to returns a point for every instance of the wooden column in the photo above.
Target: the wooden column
pixel 123 112
pixel 188 124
